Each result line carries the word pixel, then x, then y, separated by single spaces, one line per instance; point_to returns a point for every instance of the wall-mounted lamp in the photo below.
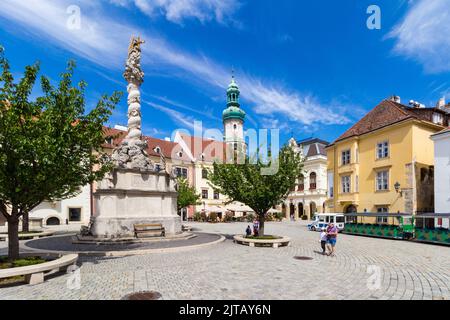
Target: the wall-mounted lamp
pixel 397 188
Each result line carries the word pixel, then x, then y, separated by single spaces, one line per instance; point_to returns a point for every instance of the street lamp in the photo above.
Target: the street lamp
pixel 397 188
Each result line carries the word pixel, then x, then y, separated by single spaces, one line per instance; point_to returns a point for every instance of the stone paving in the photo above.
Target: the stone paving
pixel 406 270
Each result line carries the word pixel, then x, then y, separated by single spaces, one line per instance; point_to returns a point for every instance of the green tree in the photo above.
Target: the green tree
pixel 186 195
pixel 49 147
pixel 247 183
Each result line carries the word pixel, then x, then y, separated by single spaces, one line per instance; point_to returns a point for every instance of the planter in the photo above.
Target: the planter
pixel 274 243
pixel 35 274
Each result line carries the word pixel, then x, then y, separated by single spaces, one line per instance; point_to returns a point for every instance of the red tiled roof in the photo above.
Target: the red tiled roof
pixel 197 146
pixel 211 149
pixel 169 149
pixel 387 113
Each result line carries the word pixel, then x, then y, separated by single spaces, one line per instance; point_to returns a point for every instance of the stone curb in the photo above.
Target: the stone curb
pixel 130 252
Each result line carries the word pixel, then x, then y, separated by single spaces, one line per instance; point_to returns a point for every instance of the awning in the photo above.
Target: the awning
pixel 216 209
pixel 239 208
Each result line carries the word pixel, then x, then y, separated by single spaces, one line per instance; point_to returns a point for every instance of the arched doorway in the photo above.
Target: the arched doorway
pixel 283 211
pixel 292 211
pixel 350 209
pixel 312 209
pixel 301 211
pixel 53 221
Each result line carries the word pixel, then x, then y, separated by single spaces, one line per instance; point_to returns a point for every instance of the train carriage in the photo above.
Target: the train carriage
pixel 382 225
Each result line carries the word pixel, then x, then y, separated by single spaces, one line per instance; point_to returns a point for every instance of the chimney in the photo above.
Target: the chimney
pixel 396 99
pixel 441 103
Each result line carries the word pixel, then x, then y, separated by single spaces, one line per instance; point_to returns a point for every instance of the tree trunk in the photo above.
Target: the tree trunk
pixel 262 218
pixel 13 235
pixel 26 222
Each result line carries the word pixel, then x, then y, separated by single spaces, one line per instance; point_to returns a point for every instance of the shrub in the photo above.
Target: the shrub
pixel 213 217
pixel 197 217
pixel 204 217
pixel 250 217
pixel 278 216
pixel 228 217
pixel 269 217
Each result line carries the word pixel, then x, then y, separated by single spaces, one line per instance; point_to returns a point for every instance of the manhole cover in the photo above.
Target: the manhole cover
pixel 302 258
pixel 144 295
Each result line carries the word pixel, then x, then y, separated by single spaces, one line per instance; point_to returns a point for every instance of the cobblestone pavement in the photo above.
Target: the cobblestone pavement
pixel 406 270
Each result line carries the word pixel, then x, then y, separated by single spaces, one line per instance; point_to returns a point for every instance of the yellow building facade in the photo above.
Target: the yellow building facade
pixel 384 163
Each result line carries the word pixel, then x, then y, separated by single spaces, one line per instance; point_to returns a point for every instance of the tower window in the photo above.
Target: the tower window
pixel 235 126
pixel 235 147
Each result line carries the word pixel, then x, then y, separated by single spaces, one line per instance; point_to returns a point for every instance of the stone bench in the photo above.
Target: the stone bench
pixel 149 230
pixel 35 274
pixel 274 243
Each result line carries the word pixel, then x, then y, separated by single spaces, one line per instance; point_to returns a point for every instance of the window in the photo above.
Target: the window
pixel 158 150
pixel 204 174
pixel 382 150
pixel 330 184
pixel 235 126
pixel 216 195
pixel 235 147
pixel 301 183
pixel 109 140
pixel 345 157
pixel 312 181
pixel 157 167
pixel 181 172
pixel 382 180
pixel 75 214
pixel 205 194
pixel 381 220
pixel 346 184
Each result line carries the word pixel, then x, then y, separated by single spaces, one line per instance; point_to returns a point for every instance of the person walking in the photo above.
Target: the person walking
pixel 323 240
pixel 332 232
pixel 255 227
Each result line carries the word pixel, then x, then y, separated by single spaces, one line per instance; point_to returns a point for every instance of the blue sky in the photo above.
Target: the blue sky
pixel 309 68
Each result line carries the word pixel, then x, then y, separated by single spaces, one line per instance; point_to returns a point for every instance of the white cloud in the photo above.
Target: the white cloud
pixel 423 35
pixel 103 39
pixel 179 10
pixel 177 117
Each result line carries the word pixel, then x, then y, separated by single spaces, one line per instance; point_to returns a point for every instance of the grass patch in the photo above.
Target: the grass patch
pixel 22 262
pixel 267 237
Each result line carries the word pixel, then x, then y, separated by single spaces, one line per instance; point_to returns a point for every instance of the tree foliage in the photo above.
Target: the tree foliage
pixel 187 195
pixel 49 146
pixel 247 184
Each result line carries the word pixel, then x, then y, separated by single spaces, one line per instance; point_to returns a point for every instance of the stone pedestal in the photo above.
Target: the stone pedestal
pixel 127 197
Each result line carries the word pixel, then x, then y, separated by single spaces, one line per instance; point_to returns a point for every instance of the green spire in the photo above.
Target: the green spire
pixel 233 110
pixel 233 94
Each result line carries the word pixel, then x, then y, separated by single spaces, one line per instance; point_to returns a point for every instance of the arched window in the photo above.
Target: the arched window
pixel 301 183
pixel 235 126
pixel 205 174
pixel 312 181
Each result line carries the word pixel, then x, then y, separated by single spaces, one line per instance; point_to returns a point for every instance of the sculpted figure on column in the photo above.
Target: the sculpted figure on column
pixel 132 153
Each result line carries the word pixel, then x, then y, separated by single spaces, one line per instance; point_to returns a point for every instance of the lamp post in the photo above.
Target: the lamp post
pixel 397 188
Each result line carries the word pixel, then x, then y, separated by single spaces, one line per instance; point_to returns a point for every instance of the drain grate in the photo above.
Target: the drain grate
pixel 302 258
pixel 143 295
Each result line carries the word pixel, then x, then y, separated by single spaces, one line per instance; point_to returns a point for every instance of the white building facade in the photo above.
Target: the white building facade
pixel 73 211
pixel 442 173
pixel 310 193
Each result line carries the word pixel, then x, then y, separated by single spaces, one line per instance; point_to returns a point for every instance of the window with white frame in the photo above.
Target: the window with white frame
pixel 382 181
pixel 345 184
pixel 382 150
pixel 205 194
pixel 345 158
